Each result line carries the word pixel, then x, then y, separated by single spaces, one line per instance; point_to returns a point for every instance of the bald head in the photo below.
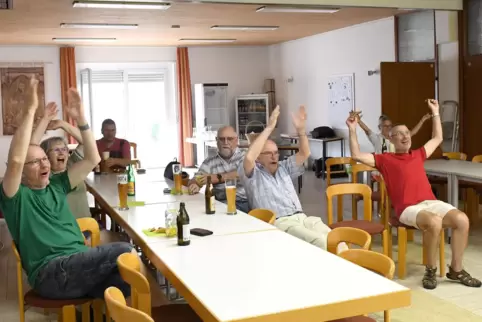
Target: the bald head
pixel 226 131
pixel 227 141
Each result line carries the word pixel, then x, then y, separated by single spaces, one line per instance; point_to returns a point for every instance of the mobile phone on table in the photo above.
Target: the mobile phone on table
pixel 167 191
pixel 201 232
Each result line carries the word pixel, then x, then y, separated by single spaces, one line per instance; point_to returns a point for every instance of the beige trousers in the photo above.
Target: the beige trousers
pixel 310 229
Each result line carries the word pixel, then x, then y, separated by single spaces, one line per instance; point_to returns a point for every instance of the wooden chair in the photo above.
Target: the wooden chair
pixel 355 171
pixel 393 222
pixel 330 163
pixel 116 303
pixel 375 262
pixel 130 270
pixel 265 215
pixel 470 194
pixel 366 224
pixel 66 307
pixel 348 235
pixel 134 159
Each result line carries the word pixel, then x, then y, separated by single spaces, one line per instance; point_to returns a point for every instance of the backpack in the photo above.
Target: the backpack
pixel 168 174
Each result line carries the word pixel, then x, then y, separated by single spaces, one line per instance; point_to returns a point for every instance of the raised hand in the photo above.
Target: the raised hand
pixel 33 94
pixel 54 125
pixel 74 104
pixel 352 121
pixel 433 105
pixel 51 111
pixel 273 118
pixel 299 119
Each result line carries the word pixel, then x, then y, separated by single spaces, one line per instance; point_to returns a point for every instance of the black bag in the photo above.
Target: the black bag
pixel 168 174
pixel 323 132
pixel 317 166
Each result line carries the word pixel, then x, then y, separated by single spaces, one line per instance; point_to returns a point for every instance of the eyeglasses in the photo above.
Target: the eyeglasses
pixel 37 161
pixel 401 133
pixel 270 153
pixel 60 150
pixel 226 139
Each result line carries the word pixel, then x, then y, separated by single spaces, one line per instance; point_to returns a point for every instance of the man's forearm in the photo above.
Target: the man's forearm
pixel 437 127
pixel 417 127
pixel 21 139
pixel 364 127
pixel 39 132
pixel 353 142
pixel 91 153
pixel 304 143
pixel 122 162
pixel 73 131
pixel 257 146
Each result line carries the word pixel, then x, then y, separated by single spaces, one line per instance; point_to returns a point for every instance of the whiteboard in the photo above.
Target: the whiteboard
pixel 341 93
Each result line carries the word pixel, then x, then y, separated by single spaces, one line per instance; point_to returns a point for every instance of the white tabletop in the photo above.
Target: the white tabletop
pixel 460 168
pixel 271 272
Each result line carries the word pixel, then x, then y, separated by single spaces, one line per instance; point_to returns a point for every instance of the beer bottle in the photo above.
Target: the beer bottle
pixel 384 146
pixel 209 197
pixel 131 181
pixel 183 231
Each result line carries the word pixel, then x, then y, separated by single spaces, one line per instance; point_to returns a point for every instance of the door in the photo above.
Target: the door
pixel 405 87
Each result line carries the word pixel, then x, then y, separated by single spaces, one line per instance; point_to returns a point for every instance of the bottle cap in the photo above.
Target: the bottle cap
pixel 182 204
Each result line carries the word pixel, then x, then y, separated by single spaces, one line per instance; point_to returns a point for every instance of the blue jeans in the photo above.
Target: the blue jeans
pixel 85 274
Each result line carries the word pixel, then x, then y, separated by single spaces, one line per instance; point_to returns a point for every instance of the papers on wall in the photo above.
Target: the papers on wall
pixel 341 93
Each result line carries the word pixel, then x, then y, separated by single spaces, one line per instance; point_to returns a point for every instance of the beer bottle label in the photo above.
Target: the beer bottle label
pixel 122 179
pixel 131 188
pixel 176 169
pixel 186 233
pixel 212 203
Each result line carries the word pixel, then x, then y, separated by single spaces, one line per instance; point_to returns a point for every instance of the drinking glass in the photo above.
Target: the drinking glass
pixel 122 191
pixel 231 196
pixel 172 210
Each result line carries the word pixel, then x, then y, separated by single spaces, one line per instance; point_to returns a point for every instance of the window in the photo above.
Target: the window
pixel 141 104
pixel 416 36
pixel 474 22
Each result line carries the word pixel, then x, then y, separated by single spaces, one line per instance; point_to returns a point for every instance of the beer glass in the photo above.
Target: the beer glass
pixel 172 210
pixel 177 172
pixel 122 190
pixel 231 196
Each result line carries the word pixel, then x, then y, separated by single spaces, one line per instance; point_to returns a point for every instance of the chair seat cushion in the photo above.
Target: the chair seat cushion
pixel 372 228
pixel 360 318
pixel 175 313
pixel 394 222
pixel 35 300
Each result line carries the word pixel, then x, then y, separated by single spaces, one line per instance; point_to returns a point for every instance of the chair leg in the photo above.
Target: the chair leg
pixel 385 242
pixel 410 234
pixel 402 252
pixel 107 314
pixel 339 209
pixel 390 242
pixel 86 312
pixel 354 208
pixel 442 253
pixel 386 316
pixel 98 307
pixel 68 313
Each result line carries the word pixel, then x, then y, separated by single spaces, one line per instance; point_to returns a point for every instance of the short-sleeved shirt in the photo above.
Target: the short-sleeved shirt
pixel 41 224
pixel 377 139
pixel 119 149
pixel 405 178
pixel 274 192
pixel 217 164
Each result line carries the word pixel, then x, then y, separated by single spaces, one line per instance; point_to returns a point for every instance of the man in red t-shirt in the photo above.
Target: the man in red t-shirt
pixel 412 197
pixel 119 149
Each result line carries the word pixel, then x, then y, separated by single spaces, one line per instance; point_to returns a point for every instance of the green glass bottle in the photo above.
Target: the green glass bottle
pixel 183 230
pixel 131 181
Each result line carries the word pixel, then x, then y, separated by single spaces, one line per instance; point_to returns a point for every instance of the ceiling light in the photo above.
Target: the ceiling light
pixel 121 5
pixel 290 9
pixel 67 40
pixel 191 40
pixel 97 26
pixel 245 28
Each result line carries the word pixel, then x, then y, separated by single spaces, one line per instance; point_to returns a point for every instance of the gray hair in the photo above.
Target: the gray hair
pixel 47 144
pixel 383 118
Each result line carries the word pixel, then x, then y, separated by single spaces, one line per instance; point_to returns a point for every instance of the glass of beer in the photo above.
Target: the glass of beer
pixel 231 196
pixel 177 173
pixel 122 190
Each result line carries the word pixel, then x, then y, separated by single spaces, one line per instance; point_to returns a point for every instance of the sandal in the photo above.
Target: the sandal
pixel 463 277
pixel 429 280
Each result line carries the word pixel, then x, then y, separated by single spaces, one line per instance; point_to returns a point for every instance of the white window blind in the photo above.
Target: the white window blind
pixel 154 77
pixel 474 27
pixel 416 36
pixel 108 76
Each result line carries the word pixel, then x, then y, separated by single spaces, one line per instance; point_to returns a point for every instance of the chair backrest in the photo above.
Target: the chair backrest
pixel 455 156
pixel 335 161
pixel 477 158
pixel 376 262
pixel 350 189
pixel 385 204
pixel 348 235
pixel 118 309
pixel 358 168
pixel 130 270
pixel 265 215
pixel 134 150
pixel 91 225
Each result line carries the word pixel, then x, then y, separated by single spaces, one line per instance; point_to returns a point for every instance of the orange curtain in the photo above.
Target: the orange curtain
pixel 186 157
pixel 68 79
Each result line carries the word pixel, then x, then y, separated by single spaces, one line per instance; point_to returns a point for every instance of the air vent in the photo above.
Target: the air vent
pixel 6 4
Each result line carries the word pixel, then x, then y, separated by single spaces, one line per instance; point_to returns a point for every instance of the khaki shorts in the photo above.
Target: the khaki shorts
pixel 440 208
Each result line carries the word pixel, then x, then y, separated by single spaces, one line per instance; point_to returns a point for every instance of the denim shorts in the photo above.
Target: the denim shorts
pixel 85 274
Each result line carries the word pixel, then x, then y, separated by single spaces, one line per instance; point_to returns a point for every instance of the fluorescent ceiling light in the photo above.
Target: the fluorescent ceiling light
pixel 246 28
pixel 291 9
pixel 97 26
pixel 121 5
pixel 84 39
pixel 191 40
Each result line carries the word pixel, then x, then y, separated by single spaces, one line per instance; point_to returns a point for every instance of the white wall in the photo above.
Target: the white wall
pixel 312 60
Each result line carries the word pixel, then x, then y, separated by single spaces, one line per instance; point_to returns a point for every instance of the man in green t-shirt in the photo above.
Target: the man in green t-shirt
pixel 54 256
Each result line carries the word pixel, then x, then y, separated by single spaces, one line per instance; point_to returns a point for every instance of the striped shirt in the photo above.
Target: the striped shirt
pixel 276 193
pixel 218 165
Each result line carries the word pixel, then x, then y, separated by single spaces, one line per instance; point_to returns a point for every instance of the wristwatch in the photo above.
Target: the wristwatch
pixel 220 177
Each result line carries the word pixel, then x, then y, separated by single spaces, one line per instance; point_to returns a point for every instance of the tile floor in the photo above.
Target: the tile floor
pixel 314 203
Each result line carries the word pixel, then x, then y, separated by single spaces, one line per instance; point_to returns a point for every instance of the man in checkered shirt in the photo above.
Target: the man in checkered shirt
pixel 222 166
